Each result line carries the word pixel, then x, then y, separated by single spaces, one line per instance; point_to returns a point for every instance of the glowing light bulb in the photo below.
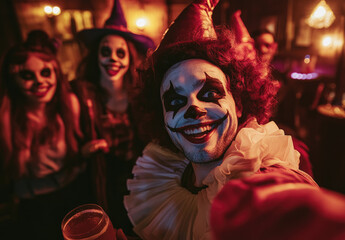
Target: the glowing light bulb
pixel 141 23
pixel 326 41
pixel 322 16
pixel 56 10
pixel 320 12
pixel 307 59
pixel 304 76
pixel 48 10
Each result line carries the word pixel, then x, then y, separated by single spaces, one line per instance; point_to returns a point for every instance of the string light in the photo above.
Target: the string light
pixel 304 76
pixel 56 10
pixel 48 10
pixel 52 11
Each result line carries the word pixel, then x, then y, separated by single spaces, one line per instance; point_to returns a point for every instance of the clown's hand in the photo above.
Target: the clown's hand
pixel 94 146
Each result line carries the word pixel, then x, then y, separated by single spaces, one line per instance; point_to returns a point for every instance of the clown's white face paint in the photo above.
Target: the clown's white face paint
pixel 199 113
pixel 113 59
pixel 37 79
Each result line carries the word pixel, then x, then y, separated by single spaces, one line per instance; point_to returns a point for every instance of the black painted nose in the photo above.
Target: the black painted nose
pixel 194 112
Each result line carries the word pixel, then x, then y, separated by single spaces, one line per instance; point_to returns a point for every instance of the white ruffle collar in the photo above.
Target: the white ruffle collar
pixel 160 208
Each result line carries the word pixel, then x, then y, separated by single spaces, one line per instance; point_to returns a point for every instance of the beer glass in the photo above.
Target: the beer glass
pixel 87 222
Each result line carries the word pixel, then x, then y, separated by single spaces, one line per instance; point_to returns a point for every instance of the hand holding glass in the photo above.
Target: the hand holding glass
pixel 87 222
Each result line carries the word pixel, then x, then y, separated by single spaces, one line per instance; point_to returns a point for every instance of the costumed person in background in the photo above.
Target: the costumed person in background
pixel 104 84
pixel 39 140
pixel 206 106
pixel 266 47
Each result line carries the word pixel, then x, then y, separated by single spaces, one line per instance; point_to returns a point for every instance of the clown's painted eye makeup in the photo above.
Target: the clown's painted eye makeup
pixel 173 101
pixel 46 72
pixel 105 51
pixel 26 75
pixel 212 90
pixel 121 53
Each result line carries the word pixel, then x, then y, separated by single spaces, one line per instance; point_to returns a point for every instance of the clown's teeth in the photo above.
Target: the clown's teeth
pixel 198 130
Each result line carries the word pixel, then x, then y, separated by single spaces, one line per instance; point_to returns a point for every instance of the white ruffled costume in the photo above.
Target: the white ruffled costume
pixel 160 208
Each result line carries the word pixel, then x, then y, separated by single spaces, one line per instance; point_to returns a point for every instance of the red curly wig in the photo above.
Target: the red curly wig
pixel 249 82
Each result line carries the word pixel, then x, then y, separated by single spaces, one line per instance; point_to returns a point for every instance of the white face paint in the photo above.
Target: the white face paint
pixel 199 113
pixel 37 79
pixel 113 58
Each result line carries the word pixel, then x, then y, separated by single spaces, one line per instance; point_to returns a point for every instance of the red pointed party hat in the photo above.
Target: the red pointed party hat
pixel 193 24
pixel 237 26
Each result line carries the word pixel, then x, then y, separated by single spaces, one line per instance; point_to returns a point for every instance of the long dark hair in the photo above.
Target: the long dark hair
pixel 14 105
pixel 87 85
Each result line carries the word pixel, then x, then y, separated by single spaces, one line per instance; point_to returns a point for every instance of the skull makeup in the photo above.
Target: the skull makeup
pixel 36 78
pixel 199 113
pixel 113 58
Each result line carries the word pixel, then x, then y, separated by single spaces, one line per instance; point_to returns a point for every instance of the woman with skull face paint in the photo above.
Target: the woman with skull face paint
pixel 39 139
pixel 105 80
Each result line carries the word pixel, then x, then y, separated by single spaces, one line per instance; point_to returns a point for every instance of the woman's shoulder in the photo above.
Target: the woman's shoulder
pixel 5 110
pixel 74 102
pixel 5 120
pixel 81 84
pixel 84 89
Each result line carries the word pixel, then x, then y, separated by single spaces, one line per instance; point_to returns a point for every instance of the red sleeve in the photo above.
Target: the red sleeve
pixel 277 203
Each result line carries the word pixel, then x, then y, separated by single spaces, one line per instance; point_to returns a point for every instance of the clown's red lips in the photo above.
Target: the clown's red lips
pixel 199 133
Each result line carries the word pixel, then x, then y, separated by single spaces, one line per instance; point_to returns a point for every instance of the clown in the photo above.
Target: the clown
pixel 205 106
pixel 200 114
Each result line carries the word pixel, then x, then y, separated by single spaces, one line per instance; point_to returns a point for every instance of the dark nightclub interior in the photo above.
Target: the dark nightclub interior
pixel 301 50
pixel 309 61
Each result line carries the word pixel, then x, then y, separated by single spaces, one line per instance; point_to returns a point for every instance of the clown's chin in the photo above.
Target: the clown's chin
pixel 202 156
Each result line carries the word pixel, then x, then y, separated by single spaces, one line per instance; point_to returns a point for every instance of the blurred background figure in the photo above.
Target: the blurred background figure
pixel 105 81
pixel 266 49
pixel 265 44
pixel 39 141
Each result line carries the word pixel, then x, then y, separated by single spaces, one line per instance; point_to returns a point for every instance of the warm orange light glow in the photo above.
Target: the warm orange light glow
pixel 56 10
pixel 141 23
pixel 320 12
pixel 48 10
pixel 330 44
pixel 307 59
pixel 155 12
pixel 322 16
pixel 327 41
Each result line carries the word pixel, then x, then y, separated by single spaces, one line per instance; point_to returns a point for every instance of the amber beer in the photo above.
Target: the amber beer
pixel 87 222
